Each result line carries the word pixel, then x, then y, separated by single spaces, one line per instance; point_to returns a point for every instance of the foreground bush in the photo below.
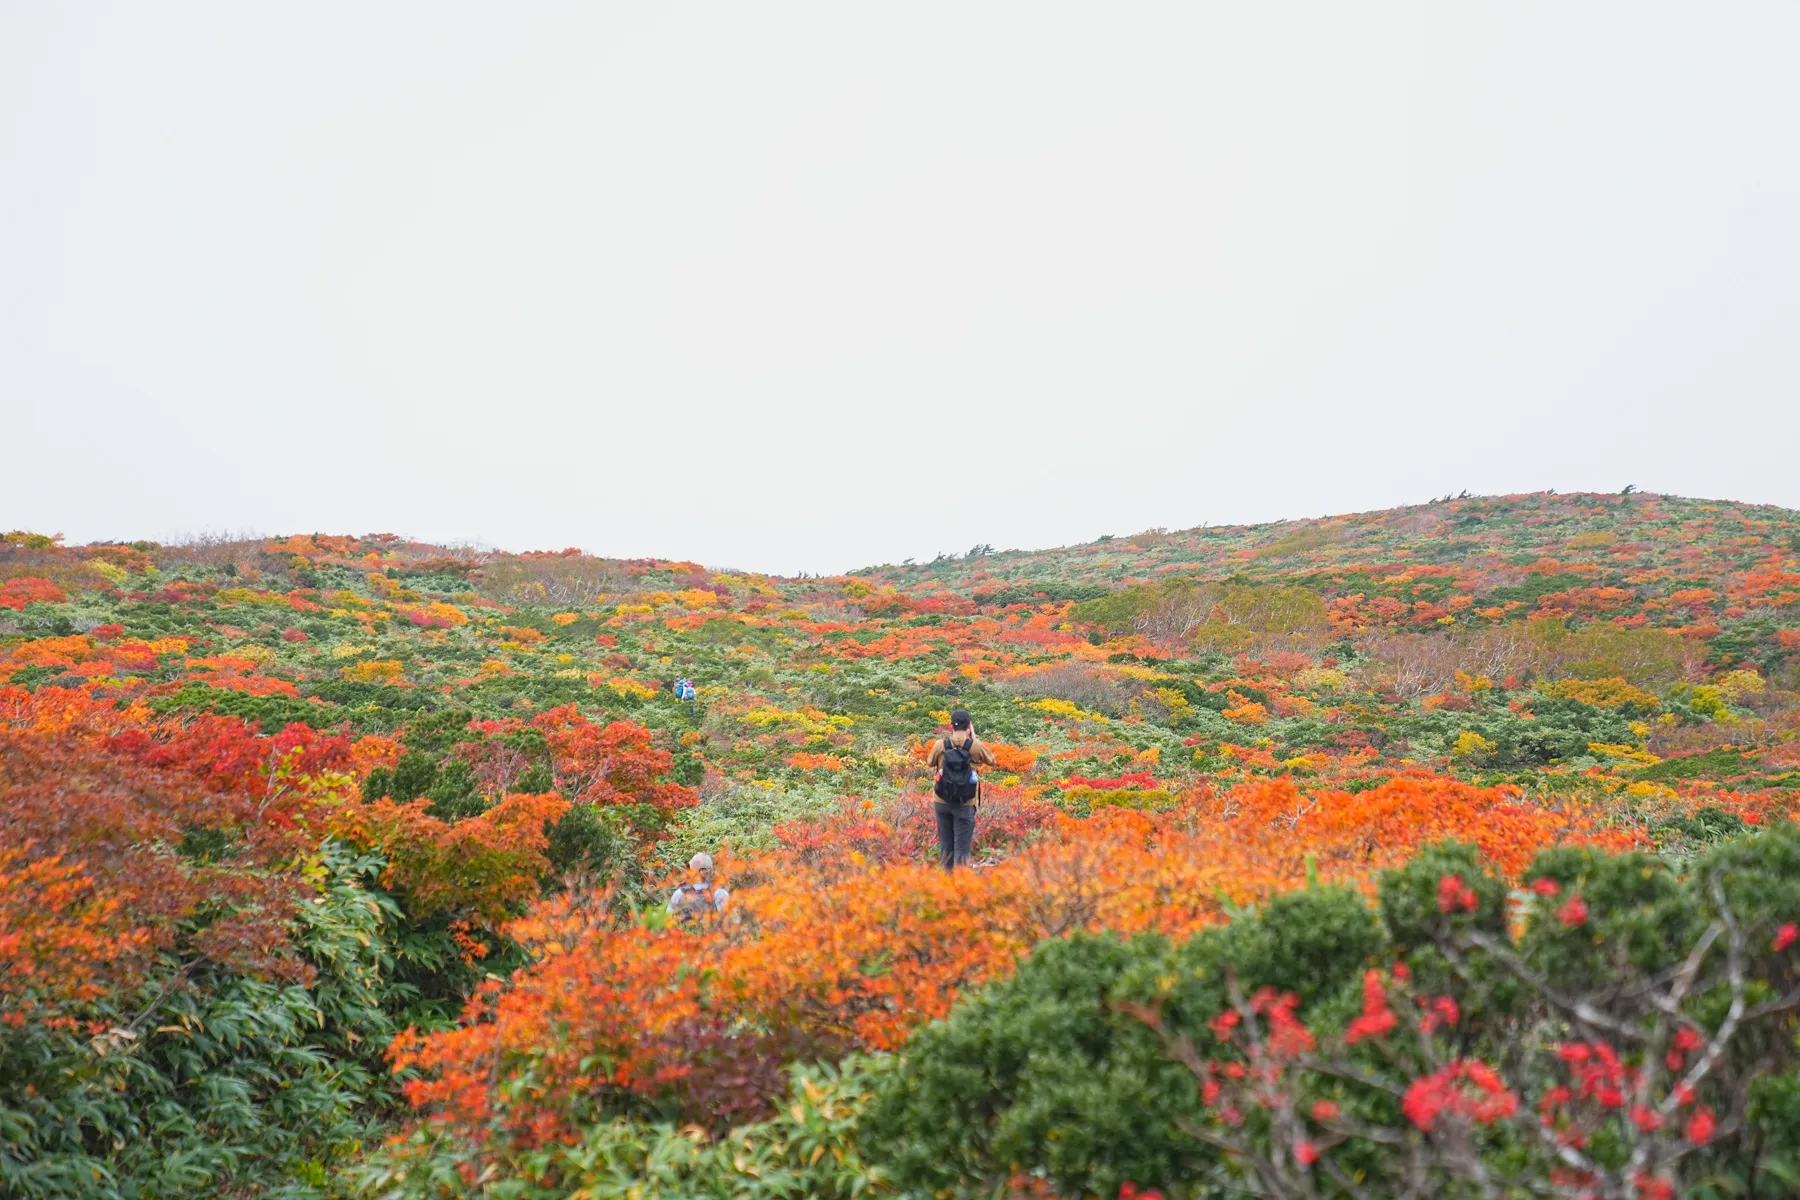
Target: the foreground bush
pixel 202 1075
pixel 1633 1036
pixel 838 946
pixel 207 942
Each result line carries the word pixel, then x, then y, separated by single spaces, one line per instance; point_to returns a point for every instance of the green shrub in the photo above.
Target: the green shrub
pixel 1049 1072
pixel 1638 1030
pixel 207 1080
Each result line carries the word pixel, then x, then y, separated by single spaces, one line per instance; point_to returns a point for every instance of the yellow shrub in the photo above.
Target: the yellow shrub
pixel 373 671
pixel 1317 679
pixel 1709 701
pixel 1470 743
pixel 625 686
pixel 242 595
pixel 1473 683
pixel 1174 700
pixel 1631 753
pixel 1065 708
pixel 808 720
pixel 1735 685
pixel 1601 693
pixel 1143 798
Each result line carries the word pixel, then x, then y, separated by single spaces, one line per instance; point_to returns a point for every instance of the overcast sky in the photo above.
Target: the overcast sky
pixel 793 287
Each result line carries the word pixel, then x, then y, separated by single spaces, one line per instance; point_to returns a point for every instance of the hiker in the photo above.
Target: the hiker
pixel 958 788
pixel 696 896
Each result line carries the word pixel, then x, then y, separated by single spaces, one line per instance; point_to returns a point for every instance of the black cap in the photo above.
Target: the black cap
pixel 959 719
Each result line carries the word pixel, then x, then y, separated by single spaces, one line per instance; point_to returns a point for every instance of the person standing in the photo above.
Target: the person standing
pixel 958 788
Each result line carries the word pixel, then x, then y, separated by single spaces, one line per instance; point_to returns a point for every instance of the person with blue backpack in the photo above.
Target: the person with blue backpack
pixel 958 788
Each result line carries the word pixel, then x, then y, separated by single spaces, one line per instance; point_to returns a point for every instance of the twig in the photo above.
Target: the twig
pixel 1581 1010
pixel 168 987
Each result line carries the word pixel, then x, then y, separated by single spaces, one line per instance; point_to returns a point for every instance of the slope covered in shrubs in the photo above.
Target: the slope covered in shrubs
pixel 306 842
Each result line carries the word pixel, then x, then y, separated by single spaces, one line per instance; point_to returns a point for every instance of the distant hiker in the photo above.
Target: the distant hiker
pixel 685 690
pixel 958 788
pixel 696 897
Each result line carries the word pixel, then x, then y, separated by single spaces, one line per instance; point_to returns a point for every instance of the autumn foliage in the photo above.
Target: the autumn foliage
pixel 843 944
pixel 482 867
pixel 390 827
pixel 610 764
pixel 95 801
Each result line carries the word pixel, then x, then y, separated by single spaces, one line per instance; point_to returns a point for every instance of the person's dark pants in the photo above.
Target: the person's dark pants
pixel 956 833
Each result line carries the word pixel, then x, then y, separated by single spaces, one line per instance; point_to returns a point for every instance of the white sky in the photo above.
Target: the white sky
pixel 795 287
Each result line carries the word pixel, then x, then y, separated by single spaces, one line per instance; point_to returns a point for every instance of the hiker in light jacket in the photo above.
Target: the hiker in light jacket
pixel 697 896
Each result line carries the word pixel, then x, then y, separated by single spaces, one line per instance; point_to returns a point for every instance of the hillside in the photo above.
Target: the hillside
pixel 377 772
pixel 1688 604
pixel 1499 550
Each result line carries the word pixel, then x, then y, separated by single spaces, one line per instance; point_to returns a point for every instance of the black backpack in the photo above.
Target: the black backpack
pixel 956 777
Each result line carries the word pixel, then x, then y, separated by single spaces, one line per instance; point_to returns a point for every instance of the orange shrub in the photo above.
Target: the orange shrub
pixel 61 940
pixel 480 866
pixel 592 1014
pixel 837 943
pixel 94 800
pixel 610 764
pixel 1014 759
pixel 17 593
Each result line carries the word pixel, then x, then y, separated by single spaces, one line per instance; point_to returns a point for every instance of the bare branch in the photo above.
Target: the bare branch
pixel 1734 978
pixel 1581 1010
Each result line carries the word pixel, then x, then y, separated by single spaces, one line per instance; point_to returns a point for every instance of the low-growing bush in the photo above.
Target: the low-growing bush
pixel 1634 1036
